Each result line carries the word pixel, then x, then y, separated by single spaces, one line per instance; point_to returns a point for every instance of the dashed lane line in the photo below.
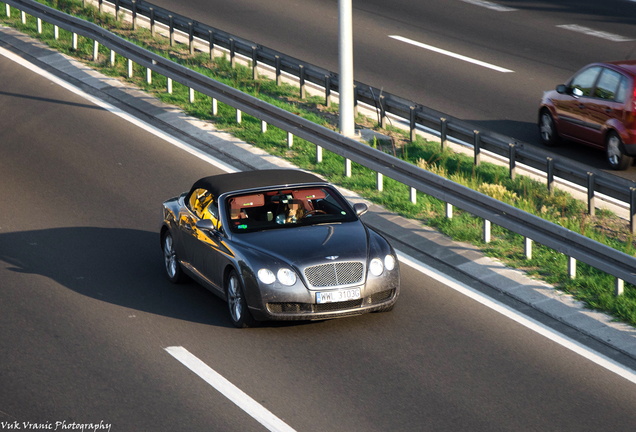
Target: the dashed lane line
pixel 450 54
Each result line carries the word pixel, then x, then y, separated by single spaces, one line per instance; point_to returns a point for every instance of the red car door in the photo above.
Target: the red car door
pixel 607 105
pixel 572 107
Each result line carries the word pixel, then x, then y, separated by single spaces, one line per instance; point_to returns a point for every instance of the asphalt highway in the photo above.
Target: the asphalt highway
pixel 524 38
pixel 86 313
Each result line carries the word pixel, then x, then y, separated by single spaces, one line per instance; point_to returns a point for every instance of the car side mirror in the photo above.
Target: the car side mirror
pixel 206 224
pixel 561 89
pixel 360 208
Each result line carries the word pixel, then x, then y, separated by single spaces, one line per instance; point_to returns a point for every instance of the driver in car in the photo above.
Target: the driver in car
pixel 294 211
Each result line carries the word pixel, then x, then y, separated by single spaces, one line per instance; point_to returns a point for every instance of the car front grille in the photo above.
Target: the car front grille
pixel 335 274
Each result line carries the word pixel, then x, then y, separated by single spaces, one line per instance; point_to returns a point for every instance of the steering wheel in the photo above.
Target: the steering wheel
pixel 313 212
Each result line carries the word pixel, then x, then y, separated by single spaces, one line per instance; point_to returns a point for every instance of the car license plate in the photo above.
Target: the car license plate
pixel 337 296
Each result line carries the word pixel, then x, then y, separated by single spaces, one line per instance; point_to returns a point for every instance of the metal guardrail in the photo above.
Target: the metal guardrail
pixel 602 257
pixel 415 114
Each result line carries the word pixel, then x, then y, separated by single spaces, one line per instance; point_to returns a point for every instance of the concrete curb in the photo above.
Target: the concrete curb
pixel 464 258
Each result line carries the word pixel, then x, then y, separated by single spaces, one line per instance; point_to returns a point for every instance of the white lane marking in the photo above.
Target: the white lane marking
pixel 492 6
pixel 591 32
pixel 122 114
pixel 531 324
pixel 229 390
pixel 450 54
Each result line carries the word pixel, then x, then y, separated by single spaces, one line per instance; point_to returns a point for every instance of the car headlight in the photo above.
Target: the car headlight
pixel 286 276
pixel 376 267
pixel 389 262
pixel 266 276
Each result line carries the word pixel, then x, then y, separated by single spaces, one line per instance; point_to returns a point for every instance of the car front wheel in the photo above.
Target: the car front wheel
pixel 547 128
pixel 170 259
pixel 615 157
pixel 241 316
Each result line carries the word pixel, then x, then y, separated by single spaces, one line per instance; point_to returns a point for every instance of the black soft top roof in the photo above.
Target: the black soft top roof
pixel 219 184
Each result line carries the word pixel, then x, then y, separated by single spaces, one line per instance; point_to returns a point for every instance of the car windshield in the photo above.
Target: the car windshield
pixel 285 208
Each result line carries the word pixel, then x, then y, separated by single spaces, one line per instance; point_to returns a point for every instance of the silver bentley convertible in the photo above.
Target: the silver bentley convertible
pixel 278 245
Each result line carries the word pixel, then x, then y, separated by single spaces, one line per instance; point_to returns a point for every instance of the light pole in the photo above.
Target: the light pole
pixel 345 62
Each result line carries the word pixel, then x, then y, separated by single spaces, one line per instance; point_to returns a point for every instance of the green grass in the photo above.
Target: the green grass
pixel 595 288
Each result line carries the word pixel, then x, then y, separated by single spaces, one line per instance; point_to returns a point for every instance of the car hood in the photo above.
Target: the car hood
pixel 308 245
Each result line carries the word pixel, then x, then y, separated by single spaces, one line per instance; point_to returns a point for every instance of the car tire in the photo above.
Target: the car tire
pixel 547 129
pixel 239 312
pixel 616 159
pixel 170 259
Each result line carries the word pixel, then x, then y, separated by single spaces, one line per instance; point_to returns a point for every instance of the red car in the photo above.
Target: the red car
pixel 596 107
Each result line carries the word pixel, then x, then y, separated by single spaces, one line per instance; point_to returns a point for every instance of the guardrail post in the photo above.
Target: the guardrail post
pixel 169 87
pixel 632 210
pixel 130 68
pixel 591 208
pixel 8 10
pixel 101 5
pixel 290 140
pixel 211 44
pixel 477 147
pixel 116 10
pixel 40 25
pixel 263 126
pixel 413 196
pixel 318 154
pixel 171 25
pixel 619 287
pixel 347 167
pixel 486 231
pixel 254 64
pixel 279 78
pixel 442 132
pixel 449 211
pixel 152 22
pixel 512 156
pixel 192 95
pixel 571 267
pixel 74 43
pixel 382 112
pixel 527 247
pixel 112 58
pixel 215 107
pixel 191 37
pixel 301 77
pixel 238 116
pixel 327 91
pixel 379 181
pixel 550 175
pixel 95 51
pixel 232 57
pixel 149 75
pixel 412 122
pixel 56 32
pixel 134 14
pixel 23 17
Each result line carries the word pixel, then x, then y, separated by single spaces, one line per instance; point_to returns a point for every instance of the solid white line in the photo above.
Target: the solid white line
pixel 530 323
pixel 118 112
pixel 229 390
pixel 591 32
pixel 451 54
pixel 490 5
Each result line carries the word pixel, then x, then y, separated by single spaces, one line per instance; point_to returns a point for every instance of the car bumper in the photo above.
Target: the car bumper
pixel 374 297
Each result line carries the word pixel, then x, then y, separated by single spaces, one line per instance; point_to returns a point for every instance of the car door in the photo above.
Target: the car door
pixel 608 104
pixel 572 108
